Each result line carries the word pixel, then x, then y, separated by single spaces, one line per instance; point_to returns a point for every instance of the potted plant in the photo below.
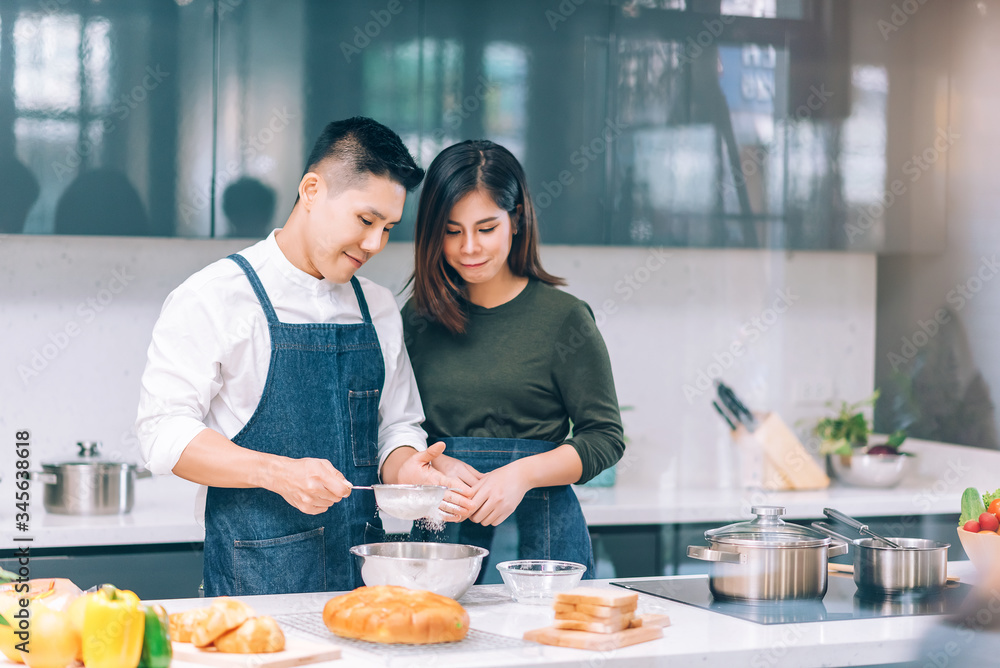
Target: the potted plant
pixel 855 455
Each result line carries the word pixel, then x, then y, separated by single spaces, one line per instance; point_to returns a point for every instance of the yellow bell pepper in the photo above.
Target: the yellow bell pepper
pixel 113 628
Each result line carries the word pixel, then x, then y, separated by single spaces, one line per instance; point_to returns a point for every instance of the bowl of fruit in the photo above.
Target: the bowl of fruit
pixel 979 530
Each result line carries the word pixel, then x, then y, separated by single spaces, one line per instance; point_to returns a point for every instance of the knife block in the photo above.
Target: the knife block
pixel 773 458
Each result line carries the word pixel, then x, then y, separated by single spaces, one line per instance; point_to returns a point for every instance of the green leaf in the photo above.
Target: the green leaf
pixel 3 622
pixel 7 576
pixel 849 426
pixel 896 439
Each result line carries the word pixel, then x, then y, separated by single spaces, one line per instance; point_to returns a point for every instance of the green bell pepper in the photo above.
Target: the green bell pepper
pixel 156 649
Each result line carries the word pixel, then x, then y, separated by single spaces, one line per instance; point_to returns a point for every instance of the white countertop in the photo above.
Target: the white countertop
pixel 935 486
pixel 695 636
pixel 163 513
pixel 164 510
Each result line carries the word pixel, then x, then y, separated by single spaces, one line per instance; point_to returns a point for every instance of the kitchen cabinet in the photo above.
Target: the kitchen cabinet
pixel 151 571
pixel 710 123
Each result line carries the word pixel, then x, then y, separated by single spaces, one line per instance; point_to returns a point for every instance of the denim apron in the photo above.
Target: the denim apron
pixel 320 400
pixel 550 523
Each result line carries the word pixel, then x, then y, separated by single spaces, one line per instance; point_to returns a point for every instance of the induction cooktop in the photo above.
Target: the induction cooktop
pixel 842 601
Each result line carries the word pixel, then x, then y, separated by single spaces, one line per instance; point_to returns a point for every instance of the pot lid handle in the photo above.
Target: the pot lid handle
pixel 768 516
pixel 88 448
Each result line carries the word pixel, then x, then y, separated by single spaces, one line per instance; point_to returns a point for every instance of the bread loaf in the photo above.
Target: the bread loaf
pixel 223 615
pixel 389 614
pixel 182 624
pixel 254 636
pixel 609 598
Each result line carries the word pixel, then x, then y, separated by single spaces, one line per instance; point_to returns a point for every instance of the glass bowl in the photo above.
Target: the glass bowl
pixel 536 581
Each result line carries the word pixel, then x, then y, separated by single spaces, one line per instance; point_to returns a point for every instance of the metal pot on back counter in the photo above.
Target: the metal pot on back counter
pixel 89 485
pixel 767 559
pixel 900 567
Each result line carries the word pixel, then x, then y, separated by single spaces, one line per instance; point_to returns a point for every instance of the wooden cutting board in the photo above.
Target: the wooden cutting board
pixel 651 629
pixel 297 652
pixel 847 570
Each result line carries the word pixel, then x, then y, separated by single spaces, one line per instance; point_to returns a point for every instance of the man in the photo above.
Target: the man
pixel 279 379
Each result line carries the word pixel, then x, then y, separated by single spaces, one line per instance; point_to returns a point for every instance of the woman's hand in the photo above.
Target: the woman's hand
pixel 420 469
pixel 456 468
pixel 498 493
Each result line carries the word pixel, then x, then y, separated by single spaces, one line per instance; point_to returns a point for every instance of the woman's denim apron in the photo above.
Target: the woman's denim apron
pixel 550 523
pixel 320 400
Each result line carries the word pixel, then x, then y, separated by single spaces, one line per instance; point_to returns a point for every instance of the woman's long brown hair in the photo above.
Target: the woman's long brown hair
pixel 457 171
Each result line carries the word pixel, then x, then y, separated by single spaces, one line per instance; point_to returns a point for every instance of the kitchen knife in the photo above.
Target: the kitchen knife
pixel 725 417
pixel 737 407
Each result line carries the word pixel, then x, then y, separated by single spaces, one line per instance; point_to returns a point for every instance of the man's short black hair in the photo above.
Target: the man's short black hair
pixel 363 146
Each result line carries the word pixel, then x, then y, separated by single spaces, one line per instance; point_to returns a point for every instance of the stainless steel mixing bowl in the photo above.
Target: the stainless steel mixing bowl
pixel 443 568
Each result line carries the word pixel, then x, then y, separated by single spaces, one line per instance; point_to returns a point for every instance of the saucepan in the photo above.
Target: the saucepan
pixel 767 559
pixel 917 567
pixel 89 485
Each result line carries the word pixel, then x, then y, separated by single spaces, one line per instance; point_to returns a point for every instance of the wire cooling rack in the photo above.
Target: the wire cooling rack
pixel 311 623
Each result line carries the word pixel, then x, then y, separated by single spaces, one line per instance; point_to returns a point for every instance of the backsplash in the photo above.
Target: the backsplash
pixel 786 330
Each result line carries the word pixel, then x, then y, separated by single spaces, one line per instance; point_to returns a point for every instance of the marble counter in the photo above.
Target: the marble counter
pixel 695 636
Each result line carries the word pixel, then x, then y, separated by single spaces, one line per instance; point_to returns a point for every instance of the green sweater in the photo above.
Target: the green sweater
pixel 521 370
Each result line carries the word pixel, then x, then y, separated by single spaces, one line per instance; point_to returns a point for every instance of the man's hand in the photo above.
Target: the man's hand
pixel 311 485
pixel 498 493
pixel 419 469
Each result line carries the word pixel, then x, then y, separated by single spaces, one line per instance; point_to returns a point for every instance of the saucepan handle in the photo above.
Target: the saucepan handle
pixel 836 549
pixel 846 519
pixel 707 554
pixel 44 477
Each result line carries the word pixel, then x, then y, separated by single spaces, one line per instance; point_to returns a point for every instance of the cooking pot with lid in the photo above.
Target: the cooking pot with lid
pixel 767 559
pixel 89 485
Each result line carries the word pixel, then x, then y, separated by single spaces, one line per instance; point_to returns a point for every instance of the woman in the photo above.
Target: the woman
pixel 506 364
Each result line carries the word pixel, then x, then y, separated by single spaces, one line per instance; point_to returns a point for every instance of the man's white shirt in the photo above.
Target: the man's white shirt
pixel 210 353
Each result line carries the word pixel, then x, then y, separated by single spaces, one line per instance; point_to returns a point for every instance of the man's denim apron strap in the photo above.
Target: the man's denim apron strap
pixel 320 400
pixel 549 520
